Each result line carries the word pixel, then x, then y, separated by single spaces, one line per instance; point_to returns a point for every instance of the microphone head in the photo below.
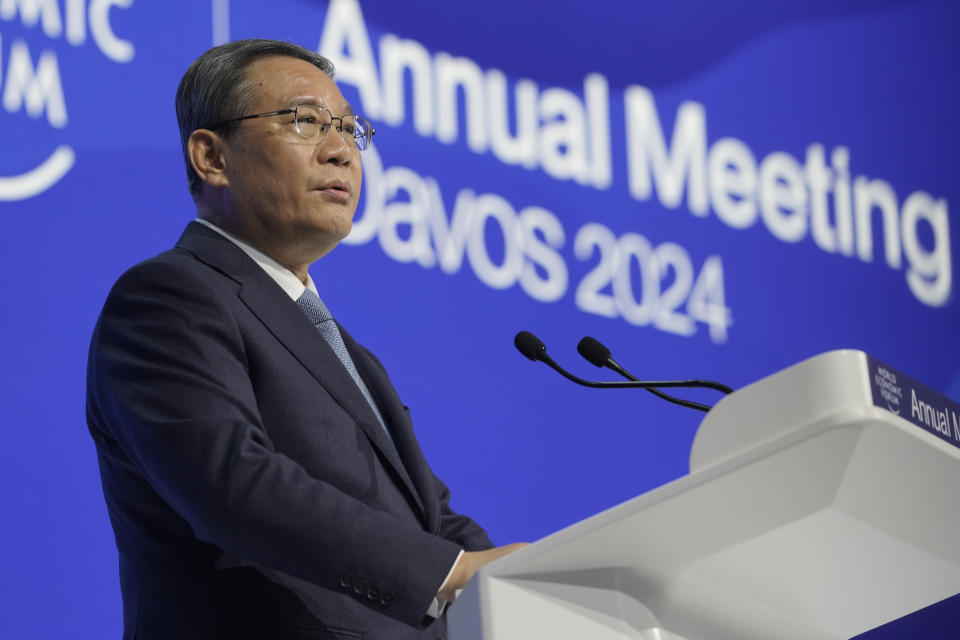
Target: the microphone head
pixel 594 352
pixel 530 345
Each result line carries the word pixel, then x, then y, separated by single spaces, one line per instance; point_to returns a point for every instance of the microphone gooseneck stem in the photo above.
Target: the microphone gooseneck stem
pixel 690 404
pixel 534 349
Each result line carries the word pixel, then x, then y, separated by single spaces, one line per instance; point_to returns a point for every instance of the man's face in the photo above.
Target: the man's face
pixel 290 196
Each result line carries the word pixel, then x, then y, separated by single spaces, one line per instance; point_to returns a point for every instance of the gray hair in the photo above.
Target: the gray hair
pixel 215 88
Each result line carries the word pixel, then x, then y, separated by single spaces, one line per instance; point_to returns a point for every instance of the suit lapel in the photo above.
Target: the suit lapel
pixel 398 419
pixel 284 319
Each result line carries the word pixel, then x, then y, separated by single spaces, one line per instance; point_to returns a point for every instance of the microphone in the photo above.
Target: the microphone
pixel 598 355
pixel 532 347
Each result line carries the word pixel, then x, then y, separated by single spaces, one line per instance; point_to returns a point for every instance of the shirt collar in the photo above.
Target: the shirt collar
pixel 285 278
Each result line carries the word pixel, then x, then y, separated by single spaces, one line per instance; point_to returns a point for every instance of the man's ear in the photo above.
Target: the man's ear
pixel 205 150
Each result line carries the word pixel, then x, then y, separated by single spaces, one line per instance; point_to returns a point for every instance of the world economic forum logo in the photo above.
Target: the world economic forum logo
pixel 36 88
pixel 890 390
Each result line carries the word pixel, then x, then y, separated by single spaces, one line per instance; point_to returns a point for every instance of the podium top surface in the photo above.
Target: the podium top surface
pixel 825 390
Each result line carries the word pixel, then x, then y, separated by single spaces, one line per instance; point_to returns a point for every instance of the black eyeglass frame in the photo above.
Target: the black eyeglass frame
pixel 368 137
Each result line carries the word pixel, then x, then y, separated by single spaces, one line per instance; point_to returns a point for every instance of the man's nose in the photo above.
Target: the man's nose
pixel 333 148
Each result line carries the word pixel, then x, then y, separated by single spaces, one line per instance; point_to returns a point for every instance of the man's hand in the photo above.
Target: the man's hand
pixel 468 565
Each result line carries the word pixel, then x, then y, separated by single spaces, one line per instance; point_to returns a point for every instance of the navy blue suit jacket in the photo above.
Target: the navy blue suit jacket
pixel 251 489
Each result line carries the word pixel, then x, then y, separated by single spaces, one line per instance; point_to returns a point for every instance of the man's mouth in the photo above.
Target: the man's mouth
pixel 336 189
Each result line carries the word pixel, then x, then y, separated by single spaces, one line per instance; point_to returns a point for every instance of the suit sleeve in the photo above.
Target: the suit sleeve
pixel 454 526
pixel 459 528
pixel 169 383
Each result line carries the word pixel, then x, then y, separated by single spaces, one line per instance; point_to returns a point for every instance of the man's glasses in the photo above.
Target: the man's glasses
pixel 312 121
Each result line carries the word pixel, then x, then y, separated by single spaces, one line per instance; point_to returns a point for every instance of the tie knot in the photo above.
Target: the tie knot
pixel 313 307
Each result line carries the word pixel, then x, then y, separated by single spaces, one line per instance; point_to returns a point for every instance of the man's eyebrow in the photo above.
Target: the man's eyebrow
pixel 293 102
pixel 344 108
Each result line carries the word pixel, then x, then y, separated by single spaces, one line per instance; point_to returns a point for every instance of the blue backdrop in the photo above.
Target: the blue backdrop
pixel 714 190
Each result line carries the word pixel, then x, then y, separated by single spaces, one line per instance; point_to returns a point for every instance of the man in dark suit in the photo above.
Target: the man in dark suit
pixel 261 474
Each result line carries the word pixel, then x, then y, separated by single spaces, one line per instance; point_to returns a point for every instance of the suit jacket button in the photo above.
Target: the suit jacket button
pixel 346 581
pixel 386 599
pixel 360 587
pixel 373 594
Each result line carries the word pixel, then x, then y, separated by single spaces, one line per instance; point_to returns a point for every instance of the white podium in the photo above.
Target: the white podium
pixel 822 502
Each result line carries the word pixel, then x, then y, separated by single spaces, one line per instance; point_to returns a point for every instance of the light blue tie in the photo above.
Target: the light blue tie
pixel 319 315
